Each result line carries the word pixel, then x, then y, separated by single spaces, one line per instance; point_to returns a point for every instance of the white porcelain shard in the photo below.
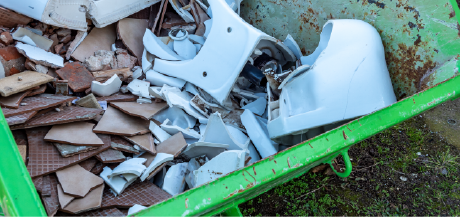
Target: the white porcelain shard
pixel 206 108
pixel 156 92
pixel 159 79
pixel 229 58
pixel 159 133
pixel 208 25
pixel 171 129
pixel 139 88
pixel 196 39
pixel 137 73
pixel 253 153
pixel 198 47
pixel 177 116
pixel 292 44
pixel 156 47
pixel 136 208
pixel 29 37
pixel 107 88
pixel 174 182
pixel 160 158
pixel 40 56
pixel 141 100
pixel 191 89
pixel 116 183
pixel 159 178
pixel 348 78
pixel 220 165
pixel 181 99
pixel 183 13
pixel 204 148
pixel 217 132
pixel 257 131
pixel 257 107
pixel 147 60
pixel 134 166
pixel 185 48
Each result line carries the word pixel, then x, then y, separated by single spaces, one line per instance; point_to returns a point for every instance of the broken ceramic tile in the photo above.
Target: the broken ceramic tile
pixel 293 46
pixel 88 164
pixel 108 88
pixel 122 145
pixel 28 37
pixel 81 35
pixel 111 156
pixel 51 203
pixel 206 108
pixel 132 166
pixel 182 46
pixel 20 138
pixel 64 199
pixel 97 39
pixel 139 88
pixel 145 142
pixel 14 100
pixel 36 103
pixel 78 133
pixel 220 165
pixel 71 150
pixel 118 97
pixel 78 76
pixel 160 158
pixel 159 79
pixel 174 182
pixel 257 131
pixel 71 181
pixel 90 202
pixel 136 208
pixel 40 90
pixel 181 99
pixel 172 129
pixel 218 133
pixel 174 145
pixel 22 81
pixel 116 122
pixel 11 19
pixel 257 107
pixel 40 56
pixel 156 47
pixel 204 148
pixel 159 133
pixel 131 33
pixel 89 101
pixel 145 111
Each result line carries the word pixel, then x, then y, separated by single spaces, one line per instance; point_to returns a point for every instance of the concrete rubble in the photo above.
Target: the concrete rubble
pixel 132 111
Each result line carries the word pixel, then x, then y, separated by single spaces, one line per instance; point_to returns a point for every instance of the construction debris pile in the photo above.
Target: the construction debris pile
pixel 131 107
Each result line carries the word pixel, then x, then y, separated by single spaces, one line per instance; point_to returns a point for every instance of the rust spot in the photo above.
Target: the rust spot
pixel 327 139
pixel 418 41
pixel 413 100
pixel 186 203
pixel 452 14
pixel 310 145
pixel 289 164
pixel 304 52
pixel 271 158
pixel 254 168
pixel 275 161
pixel 344 135
pixel 274 171
pixel 349 129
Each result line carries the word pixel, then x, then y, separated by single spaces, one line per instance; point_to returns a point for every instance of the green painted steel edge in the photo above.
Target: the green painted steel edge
pixel 241 185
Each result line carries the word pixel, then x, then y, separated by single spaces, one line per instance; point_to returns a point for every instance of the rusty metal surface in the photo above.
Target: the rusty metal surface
pixel 78 76
pixel 65 115
pixel 36 103
pixel 421 37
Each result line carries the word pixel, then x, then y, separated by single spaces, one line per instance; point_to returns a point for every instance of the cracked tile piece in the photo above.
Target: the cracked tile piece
pixel 10 19
pixel 131 32
pixel 46 189
pixel 111 156
pixel 44 158
pixel 116 122
pixel 88 101
pixel 38 182
pixel 77 133
pixel 64 199
pixel 81 35
pixel 145 111
pixel 97 39
pixel 145 141
pixel 14 100
pixel 40 56
pixel 77 182
pixel 118 97
pixel 20 138
pixel 65 115
pixel 122 145
pixel 174 145
pixel 22 81
pixel 98 168
pixel 113 212
pixel 142 193
pixel 124 74
pixel 92 201
pixel 36 103
pixel 40 90
pixel 70 150
pixel 51 203
pixel 78 76
pixel 88 164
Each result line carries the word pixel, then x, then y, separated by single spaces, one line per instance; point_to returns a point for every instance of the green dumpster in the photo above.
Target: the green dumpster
pixel 422 46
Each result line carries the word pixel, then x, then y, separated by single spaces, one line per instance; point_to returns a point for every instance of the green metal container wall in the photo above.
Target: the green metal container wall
pixel 422 44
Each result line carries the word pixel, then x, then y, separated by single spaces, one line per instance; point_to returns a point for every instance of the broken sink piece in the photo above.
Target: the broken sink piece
pixel 174 181
pixel 182 46
pixel 293 46
pixel 173 129
pixel 156 47
pixel 181 99
pixel 160 158
pixel 159 133
pixel 116 183
pixel 135 208
pixel 257 107
pixel 177 116
pixel 257 131
pixel 217 132
pixel 220 165
pixel 204 148
pixel 139 88
pixel 159 79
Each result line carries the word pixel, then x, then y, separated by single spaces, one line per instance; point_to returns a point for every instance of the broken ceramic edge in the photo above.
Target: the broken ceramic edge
pixel 356 91
pixel 111 86
pixel 191 89
pixel 204 148
pixel 40 56
pixel 181 99
pixel 253 154
pixel 136 208
pixel 259 134
pixel 204 107
pixel 174 181
pixel 160 158
pixel 159 133
pixel 185 48
pixel 134 166
pixel 32 38
pixel 272 106
pixel 198 47
pixel 293 46
pixel 214 78
pixel 208 24
pixel 141 100
pixel 217 132
pixel 116 183
pixel 156 47
pixel 137 73
pixel 183 13
pixel 177 116
pixel 158 79
pixel 257 107
pixel 172 129
pixel 156 92
pixel 224 163
pixel 178 34
pixel 139 88
pixel 196 39
pixel 146 64
pixel 298 71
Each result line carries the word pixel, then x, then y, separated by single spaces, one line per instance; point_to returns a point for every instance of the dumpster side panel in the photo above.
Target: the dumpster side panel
pixel 419 36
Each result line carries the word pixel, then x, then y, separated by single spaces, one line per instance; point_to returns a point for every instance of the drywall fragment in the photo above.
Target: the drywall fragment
pixel 10 19
pixel 257 107
pixel 6 38
pixel 177 116
pixel 28 37
pixel 174 145
pixel 174 182
pixel 159 79
pixel 64 199
pixel 124 74
pixel 159 133
pixel 40 56
pixel 78 76
pixel 124 60
pixel 108 88
pixel 88 101
pixel 145 111
pixel 293 46
pixel 81 35
pixel 11 61
pixel 204 148
pixel 183 13
pixel 111 156
pixel 97 39
pixel 116 122
pixel 139 88
pixel 71 181
pixel 77 133
pixel 258 132
pixel 159 159
pixel 217 132
pixel 135 208
pixel 14 100
pixel 173 129
pixel 92 201
pixel 145 142
pixel 131 32
pixel 156 47
pixel 206 108
pixel 101 60
pixel 134 166
pixel 22 81
pixel 220 165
